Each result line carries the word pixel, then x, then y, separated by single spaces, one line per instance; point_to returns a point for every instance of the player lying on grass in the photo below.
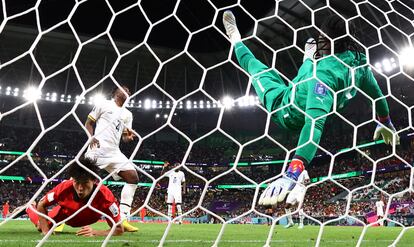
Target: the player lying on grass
pixel 109 122
pixel 313 96
pixel 71 195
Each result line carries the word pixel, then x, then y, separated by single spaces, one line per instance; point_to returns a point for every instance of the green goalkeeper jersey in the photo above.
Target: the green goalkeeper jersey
pixel 313 92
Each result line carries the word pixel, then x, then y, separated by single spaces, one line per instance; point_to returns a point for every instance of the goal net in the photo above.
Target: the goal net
pixel 193 104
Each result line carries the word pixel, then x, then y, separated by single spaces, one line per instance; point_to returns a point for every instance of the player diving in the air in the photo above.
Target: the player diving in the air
pixel 176 187
pixel 313 95
pixel 113 122
pixel 295 198
pixel 70 196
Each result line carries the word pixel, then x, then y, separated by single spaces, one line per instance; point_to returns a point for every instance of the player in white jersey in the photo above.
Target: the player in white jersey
pixel 176 186
pixel 380 210
pixel 108 123
pixel 296 197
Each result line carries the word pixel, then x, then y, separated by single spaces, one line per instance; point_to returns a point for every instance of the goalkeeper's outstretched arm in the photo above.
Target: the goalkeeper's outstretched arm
pixel 386 129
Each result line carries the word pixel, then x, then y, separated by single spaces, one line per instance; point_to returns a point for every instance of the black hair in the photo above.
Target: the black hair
pixel 79 173
pixel 116 88
pixel 334 27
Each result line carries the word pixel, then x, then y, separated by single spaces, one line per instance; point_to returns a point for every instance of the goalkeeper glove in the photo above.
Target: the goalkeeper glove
pixel 277 190
pixel 386 130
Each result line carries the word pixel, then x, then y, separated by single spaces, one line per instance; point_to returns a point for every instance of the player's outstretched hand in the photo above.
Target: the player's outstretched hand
pixel 85 231
pixel 386 131
pixel 94 143
pixel 128 136
pixel 276 191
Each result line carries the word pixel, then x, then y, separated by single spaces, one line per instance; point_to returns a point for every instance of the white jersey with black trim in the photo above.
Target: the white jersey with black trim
pixel 175 181
pixel 111 121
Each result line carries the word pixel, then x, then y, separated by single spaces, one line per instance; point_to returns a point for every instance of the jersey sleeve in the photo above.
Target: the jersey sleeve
pixel 112 211
pixel 110 206
pixel 95 113
pixel 370 86
pixel 52 197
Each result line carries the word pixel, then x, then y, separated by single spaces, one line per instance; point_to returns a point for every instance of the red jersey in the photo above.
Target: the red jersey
pixel 69 203
pixel 6 208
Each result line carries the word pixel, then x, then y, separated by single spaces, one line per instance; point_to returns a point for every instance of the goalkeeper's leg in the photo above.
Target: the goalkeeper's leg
pixel 268 85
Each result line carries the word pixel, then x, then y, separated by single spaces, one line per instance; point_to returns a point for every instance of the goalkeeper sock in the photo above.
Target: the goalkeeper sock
pixel 170 210
pixel 296 167
pixel 289 216
pixel 127 195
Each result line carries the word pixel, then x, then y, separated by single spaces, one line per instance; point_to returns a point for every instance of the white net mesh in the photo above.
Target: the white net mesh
pixel 179 65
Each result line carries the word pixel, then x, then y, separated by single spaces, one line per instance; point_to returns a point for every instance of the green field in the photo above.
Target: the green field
pixel 22 233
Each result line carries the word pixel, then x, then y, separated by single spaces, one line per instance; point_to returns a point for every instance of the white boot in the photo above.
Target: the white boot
pixel 310 49
pixel 229 22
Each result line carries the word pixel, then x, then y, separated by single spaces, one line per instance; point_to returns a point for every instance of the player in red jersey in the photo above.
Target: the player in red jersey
pixel 6 208
pixel 70 196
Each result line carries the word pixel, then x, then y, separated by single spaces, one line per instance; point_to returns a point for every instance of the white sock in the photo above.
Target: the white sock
pixel 170 210
pixel 179 211
pixel 301 218
pixel 289 216
pixel 127 196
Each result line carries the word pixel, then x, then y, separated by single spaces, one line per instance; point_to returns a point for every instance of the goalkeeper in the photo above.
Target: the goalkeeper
pixel 313 96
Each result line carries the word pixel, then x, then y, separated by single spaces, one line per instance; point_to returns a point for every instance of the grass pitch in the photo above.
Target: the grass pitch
pixel 23 233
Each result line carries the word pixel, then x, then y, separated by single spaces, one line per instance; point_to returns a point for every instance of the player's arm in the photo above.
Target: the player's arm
pixel 48 200
pixel 90 125
pixel 166 164
pixel 112 210
pixel 184 184
pixel 127 134
pixel 88 231
pixel 370 87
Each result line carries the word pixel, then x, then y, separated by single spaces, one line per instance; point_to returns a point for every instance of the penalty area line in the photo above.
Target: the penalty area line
pixel 187 241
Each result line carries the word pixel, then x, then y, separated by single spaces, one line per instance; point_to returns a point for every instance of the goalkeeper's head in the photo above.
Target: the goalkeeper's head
pixel 332 28
pixel 83 180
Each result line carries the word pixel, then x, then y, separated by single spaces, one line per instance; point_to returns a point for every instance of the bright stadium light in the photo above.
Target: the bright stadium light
pixel 165 115
pixel 16 92
pixel 31 94
pixel 54 95
pixel 157 115
pixel 228 102
pixel 147 104
pixel 406 57
pixel 98 99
